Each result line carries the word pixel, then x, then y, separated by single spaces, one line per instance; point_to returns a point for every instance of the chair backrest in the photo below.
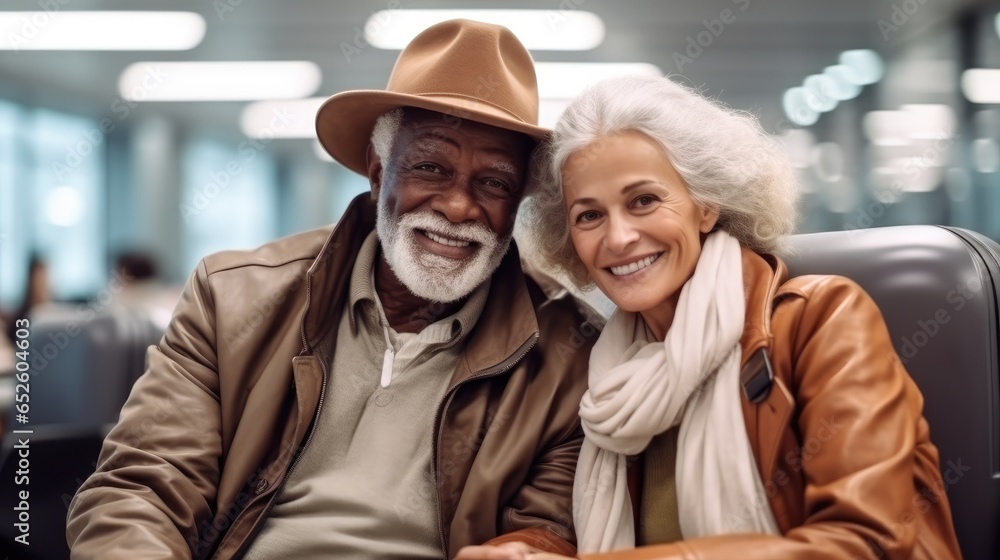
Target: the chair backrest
pixel 937 289
pixel 60 458
pixel 84 363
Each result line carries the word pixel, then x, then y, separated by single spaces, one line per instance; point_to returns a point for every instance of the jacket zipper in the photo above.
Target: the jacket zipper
pixel 500 368
pixel 495 370
pixel 312 430
pixel 288 473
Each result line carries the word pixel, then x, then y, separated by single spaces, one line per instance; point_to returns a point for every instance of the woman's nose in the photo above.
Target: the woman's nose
pixel 620 235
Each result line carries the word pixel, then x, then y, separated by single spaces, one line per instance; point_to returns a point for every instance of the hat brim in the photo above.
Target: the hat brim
pixel 345 121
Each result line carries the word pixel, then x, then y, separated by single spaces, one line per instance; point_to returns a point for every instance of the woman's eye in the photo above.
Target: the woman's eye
pixel 645 200
pixel 588 216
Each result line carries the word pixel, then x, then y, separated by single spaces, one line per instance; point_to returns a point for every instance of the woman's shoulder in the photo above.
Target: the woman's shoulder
pixel 808 291
pixel 827 311
pixel 820 287
pixel 828 333
pixel 805 305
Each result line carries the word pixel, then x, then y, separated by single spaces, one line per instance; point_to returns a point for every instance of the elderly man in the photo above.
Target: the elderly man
pixel 391 387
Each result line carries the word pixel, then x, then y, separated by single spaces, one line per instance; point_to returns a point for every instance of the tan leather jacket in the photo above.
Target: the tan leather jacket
pixel 840 441
pixel 214 425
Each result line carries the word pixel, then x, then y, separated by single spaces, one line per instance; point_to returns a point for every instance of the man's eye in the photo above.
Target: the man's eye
pixel 427 167
pixel 497 184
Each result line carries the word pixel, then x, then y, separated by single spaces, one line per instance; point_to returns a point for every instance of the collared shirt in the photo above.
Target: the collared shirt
pixel 364 487
pixel 410 349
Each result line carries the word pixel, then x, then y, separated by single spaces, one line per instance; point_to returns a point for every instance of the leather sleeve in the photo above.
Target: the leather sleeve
pixel 542 506
pixel 542 539
pixel 541 512
pixel 157 475
pixel 859 406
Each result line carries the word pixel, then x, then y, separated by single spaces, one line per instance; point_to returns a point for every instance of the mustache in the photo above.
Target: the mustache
pixel 476 233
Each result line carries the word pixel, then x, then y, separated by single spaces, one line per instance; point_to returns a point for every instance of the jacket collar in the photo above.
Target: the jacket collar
pixel 765 421
pixel 762 276
pixel 507 323
pixel 329 277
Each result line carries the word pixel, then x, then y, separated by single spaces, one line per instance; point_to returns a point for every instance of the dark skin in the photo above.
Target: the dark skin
pixel 464 171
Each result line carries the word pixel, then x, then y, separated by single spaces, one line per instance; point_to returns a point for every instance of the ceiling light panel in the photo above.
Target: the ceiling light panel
pixel 219 81
pixel 101 31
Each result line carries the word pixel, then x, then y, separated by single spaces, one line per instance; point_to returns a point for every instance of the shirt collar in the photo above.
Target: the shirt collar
pixel 362 291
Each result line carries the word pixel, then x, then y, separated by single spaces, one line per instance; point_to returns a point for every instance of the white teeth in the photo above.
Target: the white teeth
pixel 632 267
pixel 445 240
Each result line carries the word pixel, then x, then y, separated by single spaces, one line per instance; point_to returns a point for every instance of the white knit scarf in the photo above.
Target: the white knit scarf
pixel 639 389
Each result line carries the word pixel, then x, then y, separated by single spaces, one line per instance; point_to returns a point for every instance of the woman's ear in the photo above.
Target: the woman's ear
pixel 709 217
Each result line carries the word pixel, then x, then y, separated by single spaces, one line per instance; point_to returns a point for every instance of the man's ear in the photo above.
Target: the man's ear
pixel 374 170
pixel 709 217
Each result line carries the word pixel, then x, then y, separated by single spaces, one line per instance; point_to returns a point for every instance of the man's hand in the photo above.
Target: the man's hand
pixel 505 551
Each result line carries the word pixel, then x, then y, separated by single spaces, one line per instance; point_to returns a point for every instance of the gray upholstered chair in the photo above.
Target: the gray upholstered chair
pixel 84 363
pixel 936 287
pixel 62 457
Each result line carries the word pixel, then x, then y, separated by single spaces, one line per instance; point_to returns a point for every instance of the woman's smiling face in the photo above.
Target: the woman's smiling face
pixel 633 222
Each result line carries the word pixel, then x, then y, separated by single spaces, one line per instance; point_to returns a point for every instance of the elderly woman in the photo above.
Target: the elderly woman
pixel 731 412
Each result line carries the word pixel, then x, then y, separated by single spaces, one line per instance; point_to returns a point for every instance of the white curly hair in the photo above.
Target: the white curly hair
pixel 724 156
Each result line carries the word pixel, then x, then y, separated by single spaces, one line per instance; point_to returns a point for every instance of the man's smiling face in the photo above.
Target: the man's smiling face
pixel 447 198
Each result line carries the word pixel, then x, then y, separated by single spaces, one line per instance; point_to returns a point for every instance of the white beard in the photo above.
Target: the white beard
pixel 435 277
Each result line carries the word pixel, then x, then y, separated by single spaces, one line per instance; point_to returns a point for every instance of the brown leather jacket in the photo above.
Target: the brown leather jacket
pixel 840 441
pixel 214 425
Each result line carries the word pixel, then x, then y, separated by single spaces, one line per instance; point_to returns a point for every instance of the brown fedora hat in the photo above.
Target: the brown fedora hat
pixel 466 69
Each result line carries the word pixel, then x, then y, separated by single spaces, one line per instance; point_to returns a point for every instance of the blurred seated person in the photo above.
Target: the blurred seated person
pixel 389 387
pixel 135 284
pixel 732 412
pixel 36 293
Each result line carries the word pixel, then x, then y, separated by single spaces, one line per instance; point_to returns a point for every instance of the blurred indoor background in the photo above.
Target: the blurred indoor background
pixel 130 133
pixel 134 141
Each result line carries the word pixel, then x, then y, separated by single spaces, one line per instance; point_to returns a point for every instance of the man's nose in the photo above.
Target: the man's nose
pixel 458 202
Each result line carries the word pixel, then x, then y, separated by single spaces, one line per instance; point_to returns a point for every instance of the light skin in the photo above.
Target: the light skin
pixel 627 206
pixel 469 173
pixel 505 551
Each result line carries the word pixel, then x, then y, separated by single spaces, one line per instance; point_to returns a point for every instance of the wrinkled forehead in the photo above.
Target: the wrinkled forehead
pixel 431 131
